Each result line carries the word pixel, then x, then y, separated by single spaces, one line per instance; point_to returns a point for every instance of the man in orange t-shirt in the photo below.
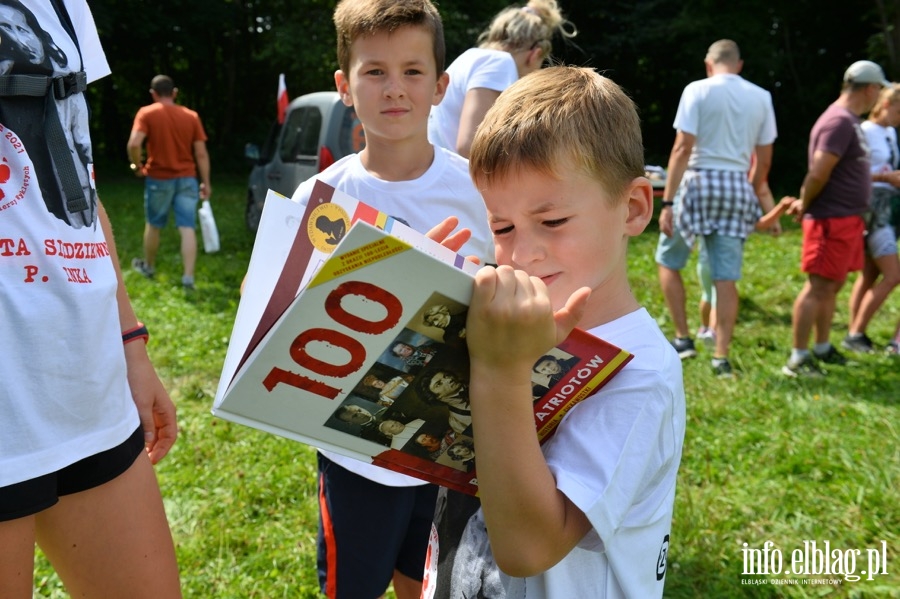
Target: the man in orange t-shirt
pixel 176 157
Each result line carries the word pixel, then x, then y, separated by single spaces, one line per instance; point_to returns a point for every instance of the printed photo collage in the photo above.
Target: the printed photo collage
pixel 415 397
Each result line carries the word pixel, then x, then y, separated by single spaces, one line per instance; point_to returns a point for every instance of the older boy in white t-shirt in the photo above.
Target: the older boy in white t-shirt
pixel 391 58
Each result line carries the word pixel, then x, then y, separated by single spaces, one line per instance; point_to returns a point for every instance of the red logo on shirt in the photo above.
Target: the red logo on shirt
pixel 13 184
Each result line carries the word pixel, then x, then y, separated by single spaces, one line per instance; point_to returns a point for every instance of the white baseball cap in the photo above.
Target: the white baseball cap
pixel 865 71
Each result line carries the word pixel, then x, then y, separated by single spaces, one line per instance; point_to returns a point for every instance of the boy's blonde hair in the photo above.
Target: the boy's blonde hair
pixel 561 117
pixel 357 18
pixel 522 28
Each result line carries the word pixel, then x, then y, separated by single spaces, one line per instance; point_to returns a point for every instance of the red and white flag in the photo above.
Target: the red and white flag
pixel 282 98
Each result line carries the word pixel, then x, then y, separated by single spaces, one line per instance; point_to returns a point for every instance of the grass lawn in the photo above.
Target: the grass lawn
pixel 766 459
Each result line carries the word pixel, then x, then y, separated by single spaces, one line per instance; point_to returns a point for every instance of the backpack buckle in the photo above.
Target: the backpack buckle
pixel 70 84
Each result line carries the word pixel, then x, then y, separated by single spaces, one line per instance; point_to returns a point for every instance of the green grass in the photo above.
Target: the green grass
pixel 765 459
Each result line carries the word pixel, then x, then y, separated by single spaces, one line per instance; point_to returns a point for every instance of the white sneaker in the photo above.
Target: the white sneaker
pixel 805 368
pixel 707 336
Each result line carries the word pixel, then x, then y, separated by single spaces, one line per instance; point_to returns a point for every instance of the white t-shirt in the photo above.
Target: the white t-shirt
pixel 729 116
pixel 615 456
pixel 445 189
pixel 64 395
pixel 475 68
pixel 883 152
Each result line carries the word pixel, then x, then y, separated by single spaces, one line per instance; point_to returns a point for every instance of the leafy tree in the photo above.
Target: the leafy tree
pixel 225 56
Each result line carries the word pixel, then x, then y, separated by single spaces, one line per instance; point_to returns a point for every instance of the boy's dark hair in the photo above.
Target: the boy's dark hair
pixel 561 117
pixel 357 18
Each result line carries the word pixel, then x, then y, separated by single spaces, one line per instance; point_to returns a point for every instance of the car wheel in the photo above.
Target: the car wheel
pixel 253 213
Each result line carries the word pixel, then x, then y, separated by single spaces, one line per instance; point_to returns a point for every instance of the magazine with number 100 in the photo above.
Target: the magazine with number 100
pixel 353 340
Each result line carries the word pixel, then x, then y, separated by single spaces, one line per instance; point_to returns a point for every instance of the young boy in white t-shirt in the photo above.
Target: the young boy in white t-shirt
pixel 559 162
pixel 391 59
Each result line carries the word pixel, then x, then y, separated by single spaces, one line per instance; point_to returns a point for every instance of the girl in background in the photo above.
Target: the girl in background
pixel 870 291
pixel 516 43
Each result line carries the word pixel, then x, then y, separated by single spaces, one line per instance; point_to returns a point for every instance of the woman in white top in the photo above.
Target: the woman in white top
pixel 516 43
pixel 869 292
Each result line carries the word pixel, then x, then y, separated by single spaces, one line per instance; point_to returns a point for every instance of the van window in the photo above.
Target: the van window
pixel 301 134
pixel 267 152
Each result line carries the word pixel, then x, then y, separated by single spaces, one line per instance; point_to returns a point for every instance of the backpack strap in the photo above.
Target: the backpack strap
pixel 65 20
pixel 52 89
pixel 41 85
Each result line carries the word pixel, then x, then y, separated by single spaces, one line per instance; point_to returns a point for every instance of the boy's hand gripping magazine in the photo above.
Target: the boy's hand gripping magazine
pixel 350 336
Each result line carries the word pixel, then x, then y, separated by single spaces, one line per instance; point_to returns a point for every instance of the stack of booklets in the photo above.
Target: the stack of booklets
pixel 350 336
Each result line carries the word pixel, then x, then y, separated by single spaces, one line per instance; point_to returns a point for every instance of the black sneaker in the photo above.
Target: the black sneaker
pixel 143 268
pixel 832 356
pixel 805 368
pixel 722 368
pixel 685 347
pixel 893 348
pixel 858 342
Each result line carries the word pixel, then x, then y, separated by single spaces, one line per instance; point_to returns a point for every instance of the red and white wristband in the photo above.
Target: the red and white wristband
pixel 138 332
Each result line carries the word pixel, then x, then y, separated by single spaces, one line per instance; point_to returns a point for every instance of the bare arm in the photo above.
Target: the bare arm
pixel 135 148
pixel 759 177
pixel 770 218
pixel 815 180
pixel 155 407
pixel 891 177
pixel 678 161
pixel 475 106
pixel 531 524
pixel 201 156
pixel 769 221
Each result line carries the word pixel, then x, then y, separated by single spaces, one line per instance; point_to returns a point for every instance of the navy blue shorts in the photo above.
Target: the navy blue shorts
pixel 367 530
pixel 37 494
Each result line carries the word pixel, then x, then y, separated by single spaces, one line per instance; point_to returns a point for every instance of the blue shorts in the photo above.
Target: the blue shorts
pixel 37 494
pixel 162 195
pixel 672 252
pixel 881 242
pixel 367 530
pixel 725 254
pixel 707 289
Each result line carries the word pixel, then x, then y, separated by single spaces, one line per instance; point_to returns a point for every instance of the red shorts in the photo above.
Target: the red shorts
pixel 833 247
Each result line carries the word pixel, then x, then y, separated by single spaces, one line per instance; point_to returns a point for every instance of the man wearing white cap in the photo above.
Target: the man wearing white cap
pixel 833 197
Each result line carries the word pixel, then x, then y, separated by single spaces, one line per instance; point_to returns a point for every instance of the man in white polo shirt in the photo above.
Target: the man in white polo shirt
pixel 722 121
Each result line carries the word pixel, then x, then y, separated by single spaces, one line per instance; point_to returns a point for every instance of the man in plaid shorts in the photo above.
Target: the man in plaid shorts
pixel 721 122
